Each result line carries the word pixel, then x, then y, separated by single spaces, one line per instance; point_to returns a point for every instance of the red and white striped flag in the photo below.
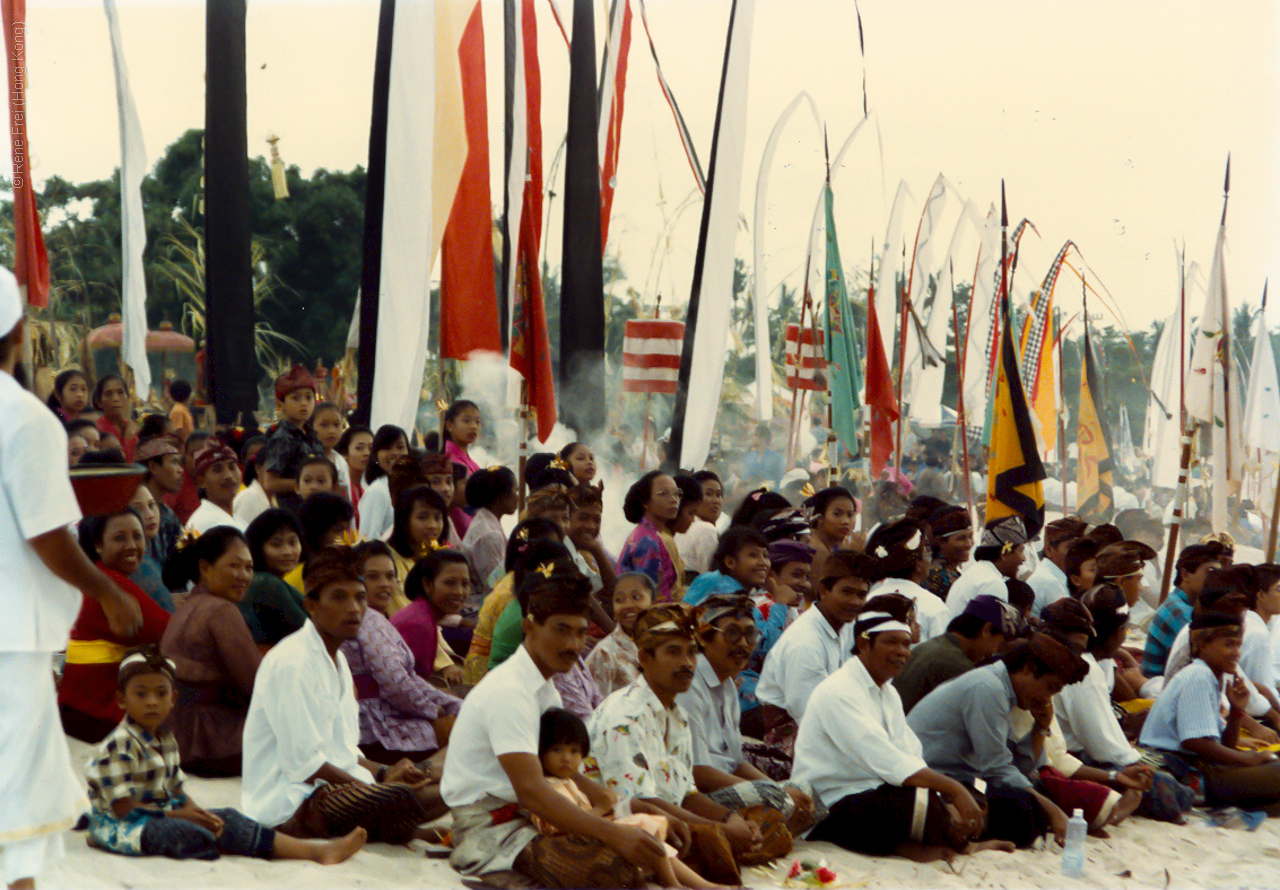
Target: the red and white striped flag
pixel 651 355
pixel 804 358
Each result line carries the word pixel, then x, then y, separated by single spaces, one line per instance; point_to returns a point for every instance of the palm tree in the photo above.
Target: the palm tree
pixel 184 265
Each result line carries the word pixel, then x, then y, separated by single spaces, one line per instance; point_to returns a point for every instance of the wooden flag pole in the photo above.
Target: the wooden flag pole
pixel 1275 519
pixel 903 320
pixel 1062 405
pixel 831 441
pixel 792 432
pixel 962 425
pixel 648 405
pixel 806 400
pixel 523 463
pixel 1179 501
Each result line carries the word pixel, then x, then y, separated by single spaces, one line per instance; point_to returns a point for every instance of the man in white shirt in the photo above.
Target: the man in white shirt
pixel 999 555
pixel 1049 580
pixel 40 792
pixel 727 633
pixel 820 640
pixel 303 770
pixel 218 476
pixel 857 752
pixel 1089 725
pixel 493 777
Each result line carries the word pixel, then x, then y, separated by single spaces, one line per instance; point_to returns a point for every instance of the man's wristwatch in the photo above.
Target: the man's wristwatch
pixel 382 774
pixel 1111 776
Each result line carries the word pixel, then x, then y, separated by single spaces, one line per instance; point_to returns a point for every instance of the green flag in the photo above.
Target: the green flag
pixel 844 371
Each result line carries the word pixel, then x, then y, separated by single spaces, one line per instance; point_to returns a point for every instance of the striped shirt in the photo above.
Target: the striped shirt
pixel 1171 617
pixel 1189 707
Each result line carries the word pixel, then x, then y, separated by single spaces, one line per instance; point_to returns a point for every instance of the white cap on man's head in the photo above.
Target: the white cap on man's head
pixel 10 302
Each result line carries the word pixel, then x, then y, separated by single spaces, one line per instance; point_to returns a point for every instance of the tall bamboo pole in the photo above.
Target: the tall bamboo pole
pixel 806 305
pixel 962 424
pixel 523 462
pixel 1062 404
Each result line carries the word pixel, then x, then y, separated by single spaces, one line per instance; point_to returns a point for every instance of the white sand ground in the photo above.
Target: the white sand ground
pixel 1139 854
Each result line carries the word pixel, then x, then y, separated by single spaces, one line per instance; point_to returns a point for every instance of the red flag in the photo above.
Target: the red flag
pixel 30 262
pixel 530 350
pixel 611 117
pixel 880 395
pixel 468 301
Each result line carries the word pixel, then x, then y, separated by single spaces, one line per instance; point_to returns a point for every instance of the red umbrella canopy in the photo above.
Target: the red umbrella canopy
pixel 164 340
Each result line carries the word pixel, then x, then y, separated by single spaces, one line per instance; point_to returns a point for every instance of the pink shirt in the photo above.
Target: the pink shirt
pixel 459 456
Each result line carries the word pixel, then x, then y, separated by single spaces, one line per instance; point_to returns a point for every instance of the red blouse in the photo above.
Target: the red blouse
pixel 91 688
pixel 127 443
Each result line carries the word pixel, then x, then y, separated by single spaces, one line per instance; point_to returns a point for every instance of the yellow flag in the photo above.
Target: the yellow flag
pixel 1015 472
pixel 1093 457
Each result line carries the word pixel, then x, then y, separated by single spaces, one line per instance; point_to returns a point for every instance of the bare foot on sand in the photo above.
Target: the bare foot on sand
pixel 1129 801
pixel 998 846
pixel 341 849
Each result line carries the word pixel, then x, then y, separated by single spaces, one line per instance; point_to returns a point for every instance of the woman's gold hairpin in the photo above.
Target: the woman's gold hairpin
pixel 349 538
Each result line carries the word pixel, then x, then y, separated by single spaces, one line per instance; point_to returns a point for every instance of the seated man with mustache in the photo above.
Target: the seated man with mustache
pixel 867 765
pixel 494 781
pixel 643 745
pixel 727 634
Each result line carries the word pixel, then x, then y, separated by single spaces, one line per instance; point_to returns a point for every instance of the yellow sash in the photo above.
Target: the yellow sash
pixel 94 652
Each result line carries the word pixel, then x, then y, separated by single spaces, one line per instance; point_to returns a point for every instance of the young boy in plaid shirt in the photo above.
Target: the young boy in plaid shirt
pixel 136 787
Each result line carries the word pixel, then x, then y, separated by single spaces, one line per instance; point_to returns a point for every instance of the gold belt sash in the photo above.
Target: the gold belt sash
pixel 94 652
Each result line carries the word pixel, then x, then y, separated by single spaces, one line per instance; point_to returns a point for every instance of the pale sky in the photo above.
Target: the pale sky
pixel 1110 122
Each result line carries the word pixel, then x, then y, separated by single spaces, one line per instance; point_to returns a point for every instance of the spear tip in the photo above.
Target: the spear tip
pixel 1226 189
pixel 1004 207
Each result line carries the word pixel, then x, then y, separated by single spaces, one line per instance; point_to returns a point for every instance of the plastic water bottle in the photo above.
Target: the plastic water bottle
pixel 1073 851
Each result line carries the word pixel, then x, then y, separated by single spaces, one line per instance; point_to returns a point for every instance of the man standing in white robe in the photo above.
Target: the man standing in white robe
pixel 40 792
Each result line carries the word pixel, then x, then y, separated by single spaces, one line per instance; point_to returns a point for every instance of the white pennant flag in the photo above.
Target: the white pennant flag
pixel 724 185
pixel 1210 383
pixel 1262 399
pixel 133 225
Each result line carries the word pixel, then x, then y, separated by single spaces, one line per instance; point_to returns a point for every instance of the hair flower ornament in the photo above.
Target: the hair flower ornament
pixel 188 537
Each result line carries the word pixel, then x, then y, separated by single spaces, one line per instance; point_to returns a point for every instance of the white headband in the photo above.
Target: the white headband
pixel 881 622
pixel 143 658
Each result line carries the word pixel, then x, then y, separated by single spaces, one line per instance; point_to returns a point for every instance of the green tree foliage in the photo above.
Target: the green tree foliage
pixel 310 245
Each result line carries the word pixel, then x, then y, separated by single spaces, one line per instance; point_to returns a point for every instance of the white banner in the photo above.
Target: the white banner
pixel 133 225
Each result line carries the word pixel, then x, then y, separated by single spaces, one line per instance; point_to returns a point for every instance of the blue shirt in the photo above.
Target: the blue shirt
pixel 963 726
pixel 1173 615
pixel 767 465
pixel 771 628
pixel 1190 707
